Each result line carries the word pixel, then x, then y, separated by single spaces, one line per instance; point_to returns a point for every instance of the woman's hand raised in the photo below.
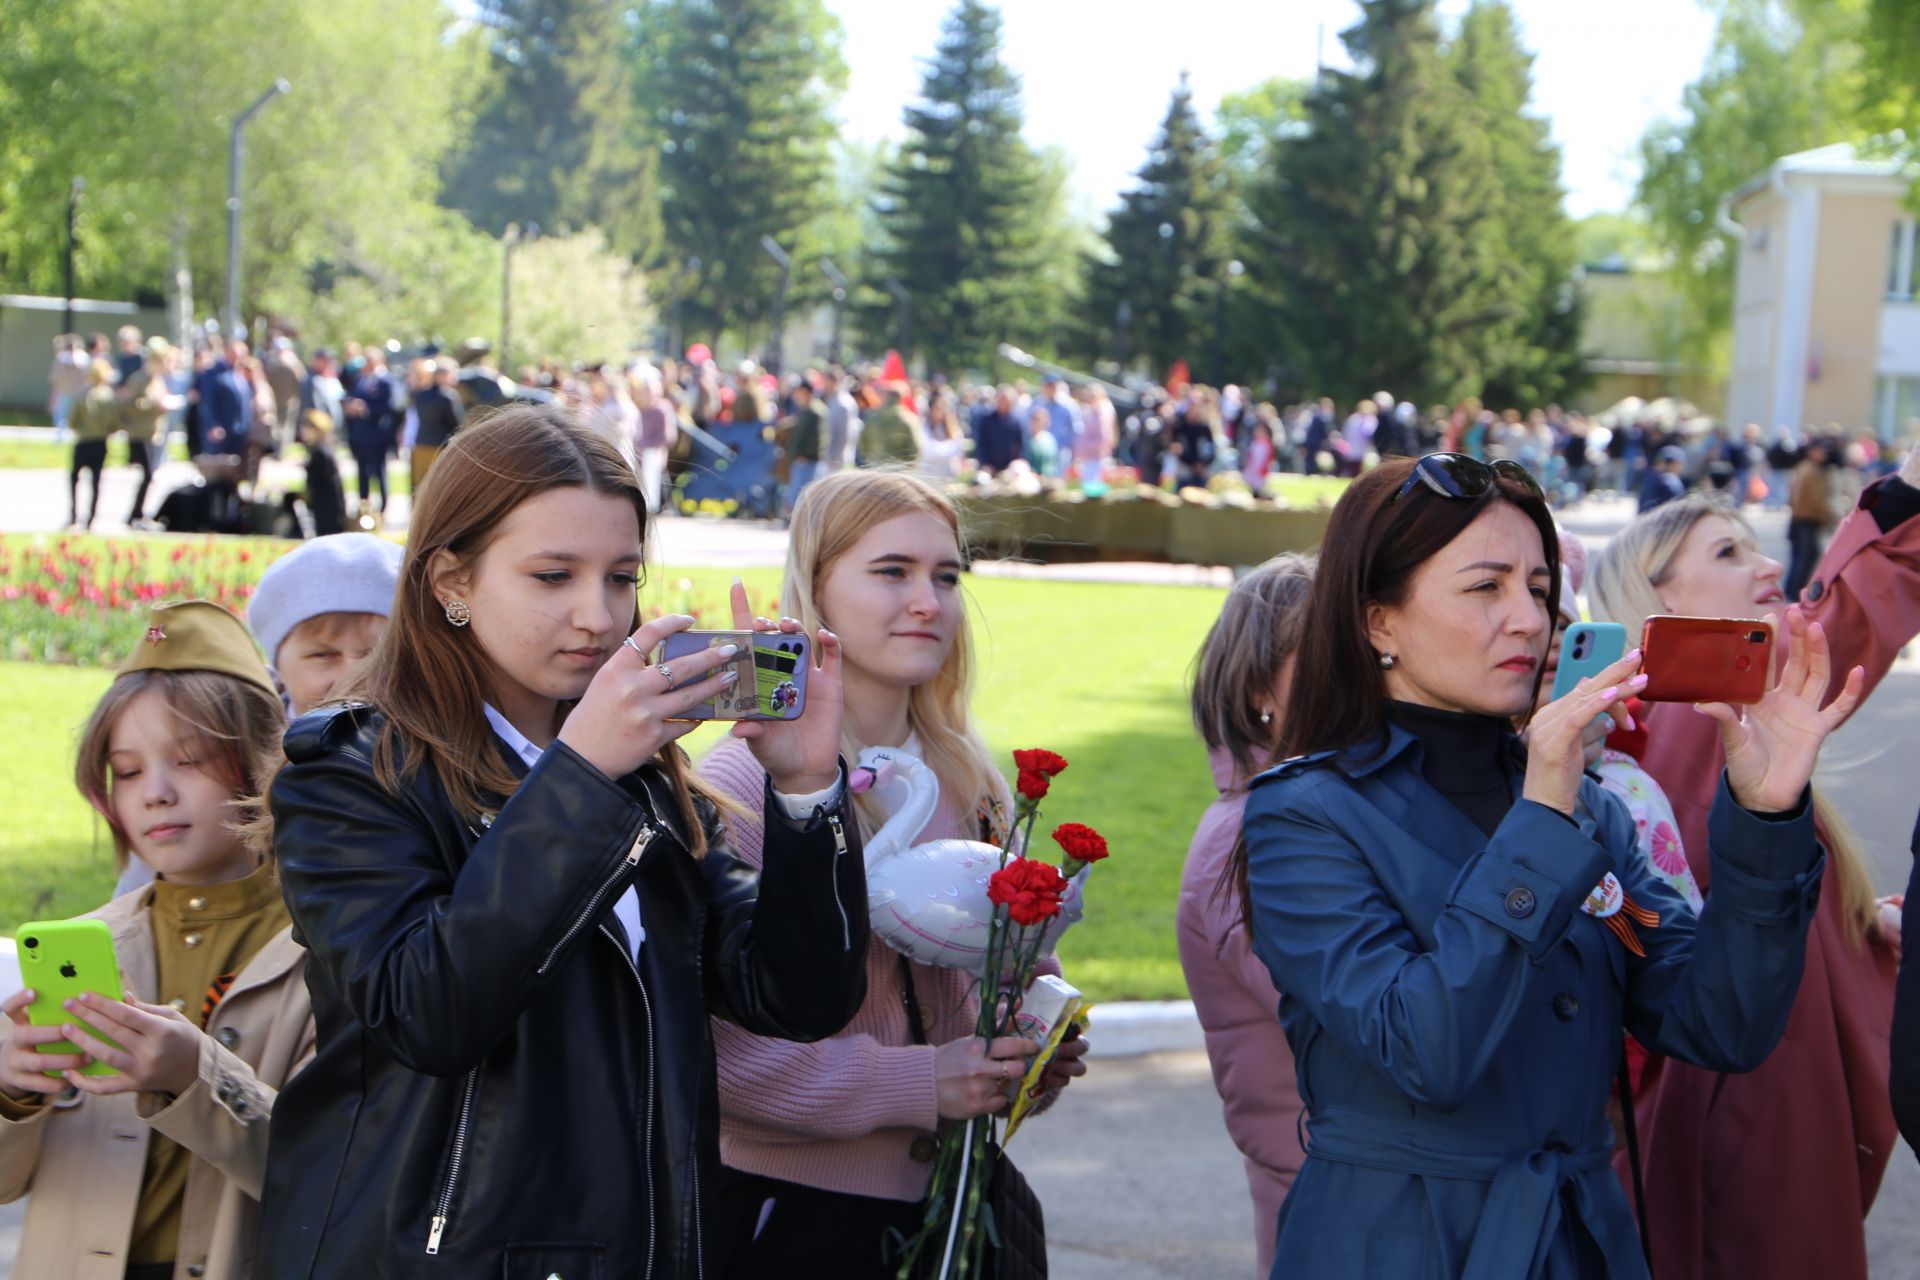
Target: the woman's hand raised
pixel 801 755
pixel 1556 751
pixel 1771 749
pixel 626 715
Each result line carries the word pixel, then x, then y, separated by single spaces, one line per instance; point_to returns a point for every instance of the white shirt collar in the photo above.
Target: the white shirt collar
pixel 515 739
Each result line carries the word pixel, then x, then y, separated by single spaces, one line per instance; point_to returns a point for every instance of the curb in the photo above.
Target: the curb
pixel 1131 1028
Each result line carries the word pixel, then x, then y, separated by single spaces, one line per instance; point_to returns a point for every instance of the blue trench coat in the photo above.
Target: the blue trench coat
pixel 1456 1020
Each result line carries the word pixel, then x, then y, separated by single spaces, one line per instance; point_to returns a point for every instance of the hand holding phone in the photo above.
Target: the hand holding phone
pixel 1772 748
pixel 60 960
pixel 1587 649
pixel 771 671
pixel 802 755
pixel 1726 660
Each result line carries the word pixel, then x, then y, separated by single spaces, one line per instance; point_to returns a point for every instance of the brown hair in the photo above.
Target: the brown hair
pixel 238 720
pixel 1375 542
pixel 430 680
pixel 1257 631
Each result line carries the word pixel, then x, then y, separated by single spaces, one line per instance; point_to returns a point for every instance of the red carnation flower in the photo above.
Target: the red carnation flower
pixel 1033 785
pixel 1082 843
pixel 1029 890
pixel 1036 760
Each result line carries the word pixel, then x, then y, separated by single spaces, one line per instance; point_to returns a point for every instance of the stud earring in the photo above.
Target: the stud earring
pixel 1386 662
pixel 458 614
pixel 1266 717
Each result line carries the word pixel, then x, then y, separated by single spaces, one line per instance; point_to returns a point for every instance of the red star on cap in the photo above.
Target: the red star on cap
pixel 155 635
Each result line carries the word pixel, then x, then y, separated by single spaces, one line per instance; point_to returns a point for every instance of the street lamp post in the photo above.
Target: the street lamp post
pixel 839 305
pixel 513 235
pixel 774 344
pixel 903 318
pixel 233 203
pixel 73 199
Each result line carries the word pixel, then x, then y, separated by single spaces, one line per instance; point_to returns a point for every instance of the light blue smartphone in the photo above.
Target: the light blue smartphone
pixel 1587 649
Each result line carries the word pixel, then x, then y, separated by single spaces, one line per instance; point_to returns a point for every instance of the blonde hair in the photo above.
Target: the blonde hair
pixel 1257 631
pixel 237 719
pixel 831 516
pixel 1623 586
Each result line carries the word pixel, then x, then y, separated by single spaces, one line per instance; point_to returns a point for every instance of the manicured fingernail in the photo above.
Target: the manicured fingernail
pixel 1629 724
pixel 69 1003
pixel 728 650
pixel 1638 680
pixel 1634 656
pixel 731 677
pixel 1611 691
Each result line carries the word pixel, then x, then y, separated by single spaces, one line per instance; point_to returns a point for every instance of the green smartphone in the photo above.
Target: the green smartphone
pixel 61 959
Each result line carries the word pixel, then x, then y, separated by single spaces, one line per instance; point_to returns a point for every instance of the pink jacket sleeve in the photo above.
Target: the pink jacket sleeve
pixel 1866 591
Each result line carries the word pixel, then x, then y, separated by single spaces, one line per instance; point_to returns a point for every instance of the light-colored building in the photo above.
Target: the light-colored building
pixel 1630 340
pixel 1826 326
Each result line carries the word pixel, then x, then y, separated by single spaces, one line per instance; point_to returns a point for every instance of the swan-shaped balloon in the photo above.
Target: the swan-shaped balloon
pixel 929 901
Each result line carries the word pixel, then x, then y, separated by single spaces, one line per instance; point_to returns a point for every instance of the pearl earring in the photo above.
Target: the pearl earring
pixel 1386 662
pixel 1266 717
pixel 458 613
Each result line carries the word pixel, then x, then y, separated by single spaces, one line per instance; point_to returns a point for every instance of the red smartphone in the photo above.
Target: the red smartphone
pixel 1706 659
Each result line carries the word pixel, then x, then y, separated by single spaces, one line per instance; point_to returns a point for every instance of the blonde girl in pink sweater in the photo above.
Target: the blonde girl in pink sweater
pixel 829 1145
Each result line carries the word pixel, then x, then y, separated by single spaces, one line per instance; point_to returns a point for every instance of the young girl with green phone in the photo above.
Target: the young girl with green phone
pixel 140 1124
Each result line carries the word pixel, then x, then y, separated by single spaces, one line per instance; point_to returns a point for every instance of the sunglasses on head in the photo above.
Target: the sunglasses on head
pixel 1456 475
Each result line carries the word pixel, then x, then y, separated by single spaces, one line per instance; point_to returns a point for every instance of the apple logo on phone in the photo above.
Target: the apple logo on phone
pixel 68 971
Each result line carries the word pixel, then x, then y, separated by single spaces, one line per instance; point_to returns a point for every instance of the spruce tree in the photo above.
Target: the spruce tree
pixel 558 138
pixel 1535 357
pixel 739 92
pixel 962 207
pixel 1373 249
pixel 1167 249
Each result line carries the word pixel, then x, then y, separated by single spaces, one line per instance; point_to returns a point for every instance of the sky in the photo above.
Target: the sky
pixel 1097 73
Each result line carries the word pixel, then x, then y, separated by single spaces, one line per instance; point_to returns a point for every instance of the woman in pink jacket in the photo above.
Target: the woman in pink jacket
pixel 829 1146
pixel 1239 700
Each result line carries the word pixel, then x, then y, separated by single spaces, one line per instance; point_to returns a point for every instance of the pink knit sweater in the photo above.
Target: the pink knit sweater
pixel 841 1114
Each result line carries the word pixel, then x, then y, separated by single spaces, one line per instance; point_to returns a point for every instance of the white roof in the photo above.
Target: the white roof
pixel 1837 160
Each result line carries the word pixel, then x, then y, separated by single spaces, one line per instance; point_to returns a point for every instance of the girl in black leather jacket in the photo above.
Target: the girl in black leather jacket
pixel 520 905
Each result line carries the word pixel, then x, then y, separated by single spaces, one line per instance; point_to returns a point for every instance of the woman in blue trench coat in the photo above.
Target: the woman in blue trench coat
pixel 1459 924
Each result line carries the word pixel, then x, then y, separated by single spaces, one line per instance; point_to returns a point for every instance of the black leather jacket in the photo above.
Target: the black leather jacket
pixel 499 1090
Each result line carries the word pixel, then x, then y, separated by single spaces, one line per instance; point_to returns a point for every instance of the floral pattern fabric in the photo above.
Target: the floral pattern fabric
pixel 1656 830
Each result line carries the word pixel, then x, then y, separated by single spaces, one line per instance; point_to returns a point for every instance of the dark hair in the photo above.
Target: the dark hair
pixel 1256 632
pixel 1372 548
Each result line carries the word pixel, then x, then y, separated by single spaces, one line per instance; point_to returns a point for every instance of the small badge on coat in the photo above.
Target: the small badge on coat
pixel 1610 905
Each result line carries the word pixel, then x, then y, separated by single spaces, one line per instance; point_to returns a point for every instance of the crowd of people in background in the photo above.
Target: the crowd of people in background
pixel 388 404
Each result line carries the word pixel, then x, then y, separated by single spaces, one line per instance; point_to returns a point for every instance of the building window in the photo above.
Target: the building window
pixel 1900 261
pixel 1897 406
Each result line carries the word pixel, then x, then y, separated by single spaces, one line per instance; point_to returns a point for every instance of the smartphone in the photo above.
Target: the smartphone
pixel 1706 659
pixel 60 959
pixel 772 666
pixel 1587 649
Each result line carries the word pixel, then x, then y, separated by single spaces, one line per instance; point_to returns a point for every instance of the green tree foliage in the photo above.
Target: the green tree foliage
pixel 964 206
pixel 1167 248
pixel 1535 357
pixel 1253 122
pixel 739 94
pixel 138 99
pixel 1375 254
pixel 575 297
pixel 558 137
pixel 1779 79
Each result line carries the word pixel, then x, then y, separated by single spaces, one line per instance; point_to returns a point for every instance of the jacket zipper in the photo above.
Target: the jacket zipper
pixel 587 913
pixel 839 852
pixel 443 1203
pixel 646 1151
pixel 699 1251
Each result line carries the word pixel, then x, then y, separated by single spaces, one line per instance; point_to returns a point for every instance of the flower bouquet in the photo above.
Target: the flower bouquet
pixel 959 1224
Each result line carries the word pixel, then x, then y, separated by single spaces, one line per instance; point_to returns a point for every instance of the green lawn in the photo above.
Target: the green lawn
pixel 23 455
pixel 1093 671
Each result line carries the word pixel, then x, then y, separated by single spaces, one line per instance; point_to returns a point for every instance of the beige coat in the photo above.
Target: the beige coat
pixel 83 1158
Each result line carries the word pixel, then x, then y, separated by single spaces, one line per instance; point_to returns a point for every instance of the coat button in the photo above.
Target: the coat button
pixel 192 940
pixel 227 1036
pixel 196 903
pixel 1520 902
pixel 923 1149
pixel 197 1269
pixel 1815 590
pixel 1566 1006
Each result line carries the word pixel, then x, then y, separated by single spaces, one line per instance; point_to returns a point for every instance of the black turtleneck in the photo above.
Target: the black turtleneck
pixel 1466 758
